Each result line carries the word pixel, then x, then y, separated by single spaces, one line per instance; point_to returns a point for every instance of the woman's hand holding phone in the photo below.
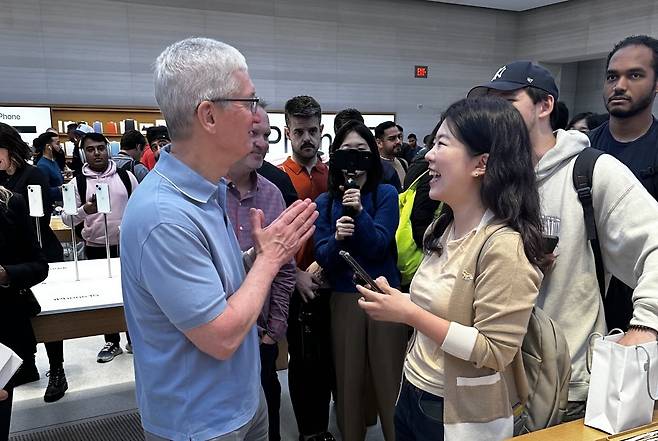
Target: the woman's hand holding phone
pixel 391 306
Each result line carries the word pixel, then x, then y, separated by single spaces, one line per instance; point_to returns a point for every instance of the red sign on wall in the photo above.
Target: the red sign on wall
pixel 420 71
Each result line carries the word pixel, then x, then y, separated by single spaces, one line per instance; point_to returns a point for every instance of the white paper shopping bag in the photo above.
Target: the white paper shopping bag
pixel 623 381
pixel 9 364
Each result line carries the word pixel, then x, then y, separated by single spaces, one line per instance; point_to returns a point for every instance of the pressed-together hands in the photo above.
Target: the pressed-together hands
pixel 280 240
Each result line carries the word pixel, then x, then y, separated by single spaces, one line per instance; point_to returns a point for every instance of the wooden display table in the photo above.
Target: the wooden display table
pixel 574 431
pixel 91 306
pixel 61 230
pixel 72 309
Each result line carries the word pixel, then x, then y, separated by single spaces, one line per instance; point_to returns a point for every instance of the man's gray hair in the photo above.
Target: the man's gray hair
pixel 191 71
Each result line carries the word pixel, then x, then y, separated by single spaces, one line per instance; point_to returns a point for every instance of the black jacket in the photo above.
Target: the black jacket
pixel 26 266
pixel 77 162
pixel 17 183
pixel 424 208
pixel 282 181
pixel 390 176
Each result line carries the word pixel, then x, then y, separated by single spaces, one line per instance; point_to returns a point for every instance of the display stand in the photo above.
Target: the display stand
pixel 72 308
pixel 79 306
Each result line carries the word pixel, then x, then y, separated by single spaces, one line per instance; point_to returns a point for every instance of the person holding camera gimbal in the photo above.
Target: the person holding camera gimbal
pixel 359 215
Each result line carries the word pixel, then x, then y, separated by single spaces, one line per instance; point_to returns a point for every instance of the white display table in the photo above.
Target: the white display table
pixel 91 306
pixel 71 309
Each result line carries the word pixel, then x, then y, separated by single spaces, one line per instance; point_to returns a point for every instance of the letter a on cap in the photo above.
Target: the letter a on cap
pixel 499 74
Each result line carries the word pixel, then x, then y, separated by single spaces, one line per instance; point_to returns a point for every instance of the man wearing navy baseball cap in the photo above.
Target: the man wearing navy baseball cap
pixel 516 75
pixel 570 292
pixel 536 80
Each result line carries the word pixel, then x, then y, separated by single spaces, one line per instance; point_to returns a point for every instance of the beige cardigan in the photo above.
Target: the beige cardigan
pixel 489 310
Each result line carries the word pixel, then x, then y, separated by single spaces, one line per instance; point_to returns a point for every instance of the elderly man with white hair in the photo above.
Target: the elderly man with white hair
pixel 190 308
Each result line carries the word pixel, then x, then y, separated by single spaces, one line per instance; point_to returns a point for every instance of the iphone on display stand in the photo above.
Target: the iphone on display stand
pixel 70 208
pixel 103 205
pixel 68 197
pixel 35 201
pixel 103 198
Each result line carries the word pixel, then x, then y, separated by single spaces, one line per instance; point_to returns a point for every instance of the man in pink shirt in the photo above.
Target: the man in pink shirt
pixel 121 183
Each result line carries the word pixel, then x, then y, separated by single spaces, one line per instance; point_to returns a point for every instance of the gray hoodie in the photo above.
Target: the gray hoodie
pixel 122 160
pixel 627 222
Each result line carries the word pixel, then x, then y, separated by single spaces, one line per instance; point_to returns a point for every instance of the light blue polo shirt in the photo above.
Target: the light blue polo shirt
pixel 180 261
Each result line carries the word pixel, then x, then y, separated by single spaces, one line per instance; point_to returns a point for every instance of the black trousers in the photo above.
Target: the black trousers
pixel 5 413
pixel 55 351
pixel 95 253
pixel 311 376
pixel 272 388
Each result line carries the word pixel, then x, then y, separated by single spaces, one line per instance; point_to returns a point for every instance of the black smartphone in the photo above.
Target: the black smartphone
pixel 350 160
pixel 358 270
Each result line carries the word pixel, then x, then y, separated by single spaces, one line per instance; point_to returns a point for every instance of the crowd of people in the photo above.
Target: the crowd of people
pixel 225 255
pixel 50 169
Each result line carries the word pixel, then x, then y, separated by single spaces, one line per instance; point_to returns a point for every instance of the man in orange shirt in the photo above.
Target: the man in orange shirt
pixel 310 370
pixel 157 137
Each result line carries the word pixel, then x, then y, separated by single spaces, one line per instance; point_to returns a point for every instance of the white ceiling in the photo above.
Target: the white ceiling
pixel 508 5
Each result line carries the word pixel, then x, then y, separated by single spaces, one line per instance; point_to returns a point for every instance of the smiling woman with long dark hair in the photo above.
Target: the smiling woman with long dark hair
pixel 471 298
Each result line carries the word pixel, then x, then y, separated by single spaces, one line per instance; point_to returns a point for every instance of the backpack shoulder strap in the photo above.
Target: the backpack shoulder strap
pixel 128 165
pixel 81 183
pixel 650 174
pixel 135 164
pixel 123 174
pixel 492 233
pixel 583 170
